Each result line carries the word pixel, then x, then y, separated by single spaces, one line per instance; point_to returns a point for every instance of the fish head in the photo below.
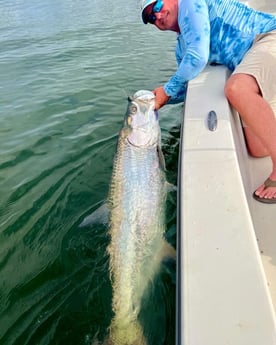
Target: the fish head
pixel 141 120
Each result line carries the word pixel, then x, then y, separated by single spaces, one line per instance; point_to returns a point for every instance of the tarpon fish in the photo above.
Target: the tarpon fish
pixel 136 204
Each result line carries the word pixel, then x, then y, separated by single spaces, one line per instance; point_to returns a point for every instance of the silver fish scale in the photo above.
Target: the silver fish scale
pixel 137 199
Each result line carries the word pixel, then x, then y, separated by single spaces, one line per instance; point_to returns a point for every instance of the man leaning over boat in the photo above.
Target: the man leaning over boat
pixel 239 37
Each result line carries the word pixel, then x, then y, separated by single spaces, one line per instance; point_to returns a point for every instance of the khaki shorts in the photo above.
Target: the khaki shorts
pixel 260 62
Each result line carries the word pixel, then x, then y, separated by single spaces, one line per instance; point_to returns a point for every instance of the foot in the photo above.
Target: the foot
pixel 266 192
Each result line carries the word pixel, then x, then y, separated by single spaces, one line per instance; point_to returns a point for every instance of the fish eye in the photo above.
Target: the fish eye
pixel 133 109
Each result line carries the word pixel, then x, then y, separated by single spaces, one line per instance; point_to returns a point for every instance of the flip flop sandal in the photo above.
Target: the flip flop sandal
pixel 267 183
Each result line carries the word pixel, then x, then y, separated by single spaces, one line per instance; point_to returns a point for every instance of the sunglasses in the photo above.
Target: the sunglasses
pixel 151 18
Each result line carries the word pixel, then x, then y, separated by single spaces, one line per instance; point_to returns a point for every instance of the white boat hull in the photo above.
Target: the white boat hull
pixel 227 240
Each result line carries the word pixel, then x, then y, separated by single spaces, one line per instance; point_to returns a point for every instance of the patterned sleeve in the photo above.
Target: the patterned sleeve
pixel 193 44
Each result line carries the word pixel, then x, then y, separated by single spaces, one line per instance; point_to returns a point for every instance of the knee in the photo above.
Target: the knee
pixel 232 89
pixel 239 87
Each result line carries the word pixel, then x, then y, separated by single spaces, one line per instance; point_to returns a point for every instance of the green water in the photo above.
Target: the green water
pixel 66 69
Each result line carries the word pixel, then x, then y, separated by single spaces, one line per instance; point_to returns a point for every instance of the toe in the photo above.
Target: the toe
pixel 267 193
pixel 260 191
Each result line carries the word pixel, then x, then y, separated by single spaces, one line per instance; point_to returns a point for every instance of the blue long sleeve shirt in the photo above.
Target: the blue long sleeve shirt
pixel 213 31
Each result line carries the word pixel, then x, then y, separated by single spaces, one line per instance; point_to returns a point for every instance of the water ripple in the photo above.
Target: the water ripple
pixel 66 69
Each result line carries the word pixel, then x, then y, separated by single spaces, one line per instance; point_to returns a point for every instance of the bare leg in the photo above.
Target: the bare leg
pixel 254 145
pixel 244 95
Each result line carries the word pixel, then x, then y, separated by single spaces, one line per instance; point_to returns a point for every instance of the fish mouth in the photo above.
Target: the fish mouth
pixel 139 101
pixel 141 120
pixel 143 95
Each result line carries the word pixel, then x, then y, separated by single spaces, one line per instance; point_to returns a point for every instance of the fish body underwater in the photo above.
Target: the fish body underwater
pixel 136 203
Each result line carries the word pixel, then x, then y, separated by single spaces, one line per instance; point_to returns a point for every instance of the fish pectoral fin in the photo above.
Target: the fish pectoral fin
pixel 166 252
pixel 99 216
pixel 171 187
pixel 169 261
pixel 161 158
pixel 169 252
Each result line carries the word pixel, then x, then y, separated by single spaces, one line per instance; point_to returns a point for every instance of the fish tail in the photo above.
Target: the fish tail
pixel 122 333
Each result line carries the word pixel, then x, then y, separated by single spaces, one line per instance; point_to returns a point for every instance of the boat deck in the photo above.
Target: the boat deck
pixel 227 240
pixel 254 172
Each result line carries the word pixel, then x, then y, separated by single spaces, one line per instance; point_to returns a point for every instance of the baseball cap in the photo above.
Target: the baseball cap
pixel 145 4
